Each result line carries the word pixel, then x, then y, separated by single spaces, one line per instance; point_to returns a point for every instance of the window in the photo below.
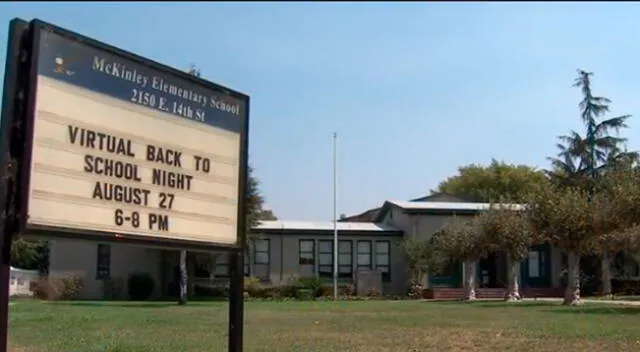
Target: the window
pixel 222 268
pixel 307 252
pixel 202 265
pixel 325 258
pixel 261 251
pixel 103 266
pixel 383 249
pixel 534 264
pixel 364 254
pixel 345 259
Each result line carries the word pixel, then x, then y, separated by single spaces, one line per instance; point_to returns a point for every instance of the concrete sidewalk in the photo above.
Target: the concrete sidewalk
pixel 586 300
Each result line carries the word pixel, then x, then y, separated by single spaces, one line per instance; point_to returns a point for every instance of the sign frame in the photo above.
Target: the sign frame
pixel 17 131
pixel 36 27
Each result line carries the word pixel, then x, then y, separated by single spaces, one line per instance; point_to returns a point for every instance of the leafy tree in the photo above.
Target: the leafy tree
pixel 563 216
pixel 267 215
pixel 421 258
pixel 463 240
pixel 255 202
pixel 489 183
pixel 30 254
pixel 616 211
pixel 509 230
pixel 623 188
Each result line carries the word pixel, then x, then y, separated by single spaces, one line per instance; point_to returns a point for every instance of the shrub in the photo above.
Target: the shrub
pixel 276 293
pixel 69 287
pixel 326 291
pixel 373 293
pixel 343 290
pixel 312 284
pixel 347 290
pixel 267 292
pixel 286 290
pixel 54 288
pixel 305 294
pixel 140 286
pixel 252 286
pixel 42 289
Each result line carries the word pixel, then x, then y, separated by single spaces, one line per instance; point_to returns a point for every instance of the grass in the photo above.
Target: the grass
pixel 366 326
pixel 618 298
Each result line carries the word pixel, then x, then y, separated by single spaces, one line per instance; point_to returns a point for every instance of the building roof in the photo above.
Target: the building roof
pixel 439 197
pixel 461 206
pixel 366 216
pixel 18 270
pixel 324 226
pixel 439 207
pixel 371 214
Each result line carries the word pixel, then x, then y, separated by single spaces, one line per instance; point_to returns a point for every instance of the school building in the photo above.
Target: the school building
pixel 281 249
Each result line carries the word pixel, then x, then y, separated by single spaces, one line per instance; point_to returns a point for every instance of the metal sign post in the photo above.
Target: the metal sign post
pixel 11 147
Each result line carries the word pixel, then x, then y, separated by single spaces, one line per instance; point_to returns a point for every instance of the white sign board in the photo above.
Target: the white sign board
pixel 121 147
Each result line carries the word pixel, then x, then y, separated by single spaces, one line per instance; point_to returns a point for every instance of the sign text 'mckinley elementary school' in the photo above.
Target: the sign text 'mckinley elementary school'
pixel 121 71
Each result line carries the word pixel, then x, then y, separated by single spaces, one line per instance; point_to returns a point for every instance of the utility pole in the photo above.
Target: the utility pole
pixel 335 217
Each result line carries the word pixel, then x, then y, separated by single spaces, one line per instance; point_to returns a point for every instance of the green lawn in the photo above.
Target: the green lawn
pixel 366 326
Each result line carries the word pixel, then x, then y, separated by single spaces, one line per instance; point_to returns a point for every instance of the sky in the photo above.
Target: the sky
pixel 413 90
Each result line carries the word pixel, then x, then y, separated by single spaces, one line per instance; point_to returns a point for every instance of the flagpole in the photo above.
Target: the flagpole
pixel 335 218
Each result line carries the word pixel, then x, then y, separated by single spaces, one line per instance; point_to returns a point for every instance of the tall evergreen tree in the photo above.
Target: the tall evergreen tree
pixel 582 158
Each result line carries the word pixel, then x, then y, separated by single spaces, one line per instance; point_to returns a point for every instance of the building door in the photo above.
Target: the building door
pixel 487 273
pixel 535 270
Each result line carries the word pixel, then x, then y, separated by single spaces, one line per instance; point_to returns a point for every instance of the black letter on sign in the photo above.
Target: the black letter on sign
pixel 158 222
pixel 119 219
pixel 204 166
pixel 166 200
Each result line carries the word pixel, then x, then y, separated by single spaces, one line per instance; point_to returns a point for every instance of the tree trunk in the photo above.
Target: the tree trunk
pixel 606 275
pixel 183 277
pixel 470 278
pixel 513 289
pixel 572 292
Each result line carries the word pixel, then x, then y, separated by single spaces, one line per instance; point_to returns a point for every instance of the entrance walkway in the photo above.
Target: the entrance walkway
pixel 586 300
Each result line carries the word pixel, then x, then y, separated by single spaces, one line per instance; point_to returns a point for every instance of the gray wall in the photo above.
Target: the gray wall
pixel 284 258
pixel 77 257
pixel 424 226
